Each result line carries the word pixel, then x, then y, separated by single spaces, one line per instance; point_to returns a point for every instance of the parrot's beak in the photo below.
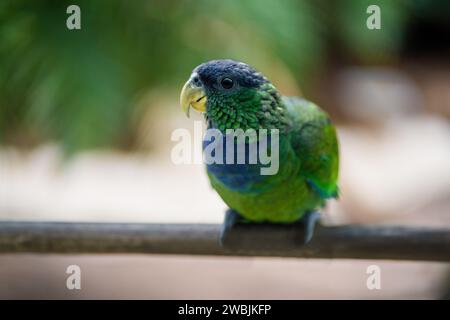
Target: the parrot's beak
pixel 192 96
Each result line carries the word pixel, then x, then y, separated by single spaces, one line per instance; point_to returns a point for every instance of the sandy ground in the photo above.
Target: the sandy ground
pixel 182 277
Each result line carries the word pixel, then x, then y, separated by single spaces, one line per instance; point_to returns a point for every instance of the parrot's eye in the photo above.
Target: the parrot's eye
pixel 196 81
pixel 227 83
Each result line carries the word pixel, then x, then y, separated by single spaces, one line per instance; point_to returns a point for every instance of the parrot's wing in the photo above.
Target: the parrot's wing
pixel 313 138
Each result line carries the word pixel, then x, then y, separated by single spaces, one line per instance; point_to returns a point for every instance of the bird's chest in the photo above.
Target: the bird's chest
pixel 246 166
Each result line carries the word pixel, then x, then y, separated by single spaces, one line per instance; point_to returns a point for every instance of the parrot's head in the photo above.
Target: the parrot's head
pixel 232 95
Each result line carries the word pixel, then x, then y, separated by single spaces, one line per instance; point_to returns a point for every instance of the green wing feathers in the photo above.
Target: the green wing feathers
pixel 314 141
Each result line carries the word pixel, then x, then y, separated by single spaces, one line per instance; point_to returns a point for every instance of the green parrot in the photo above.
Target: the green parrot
pixel 233 95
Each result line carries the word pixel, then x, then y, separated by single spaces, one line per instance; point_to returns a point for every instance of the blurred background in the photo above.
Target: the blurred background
pixel 86 118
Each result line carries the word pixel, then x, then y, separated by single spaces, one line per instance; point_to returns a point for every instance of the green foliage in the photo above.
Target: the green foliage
pixel 369 45
pixel 80 87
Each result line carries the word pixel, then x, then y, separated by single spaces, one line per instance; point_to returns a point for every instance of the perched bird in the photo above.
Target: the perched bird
pixel 233 95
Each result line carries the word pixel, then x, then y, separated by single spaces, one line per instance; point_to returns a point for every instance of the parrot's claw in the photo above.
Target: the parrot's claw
pixel 309 220
pixel 238 233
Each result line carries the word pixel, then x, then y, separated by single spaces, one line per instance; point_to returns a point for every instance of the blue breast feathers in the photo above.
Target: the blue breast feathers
pixel 235 164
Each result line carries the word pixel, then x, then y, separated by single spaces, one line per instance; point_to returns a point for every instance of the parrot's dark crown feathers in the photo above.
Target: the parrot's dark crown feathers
pixel 212 71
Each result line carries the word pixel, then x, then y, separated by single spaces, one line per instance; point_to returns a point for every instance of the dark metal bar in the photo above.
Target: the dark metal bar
pixel 348 242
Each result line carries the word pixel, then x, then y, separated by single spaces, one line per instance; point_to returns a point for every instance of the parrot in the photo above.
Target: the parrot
pixel 234 95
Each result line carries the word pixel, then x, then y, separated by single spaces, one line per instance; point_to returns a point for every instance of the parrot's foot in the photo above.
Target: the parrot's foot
pixel 239 233
pixel 309 220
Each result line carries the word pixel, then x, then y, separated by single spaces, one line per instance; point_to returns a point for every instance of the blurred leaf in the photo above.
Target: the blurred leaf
pixel 80 87
pixel 371 45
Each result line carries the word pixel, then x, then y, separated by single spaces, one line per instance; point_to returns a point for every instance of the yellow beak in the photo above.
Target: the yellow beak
pixel 192 96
